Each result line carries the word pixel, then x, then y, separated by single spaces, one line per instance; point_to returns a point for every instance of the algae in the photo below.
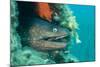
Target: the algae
pixel 28 56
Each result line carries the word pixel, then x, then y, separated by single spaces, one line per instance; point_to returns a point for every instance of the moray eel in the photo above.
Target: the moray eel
pixel 41 34
pixel 47 36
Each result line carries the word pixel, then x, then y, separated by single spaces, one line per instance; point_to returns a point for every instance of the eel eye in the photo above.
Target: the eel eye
pixel 55 30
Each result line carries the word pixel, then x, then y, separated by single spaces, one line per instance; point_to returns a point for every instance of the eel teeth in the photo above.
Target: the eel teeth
pixel 54 38
pixel 60 37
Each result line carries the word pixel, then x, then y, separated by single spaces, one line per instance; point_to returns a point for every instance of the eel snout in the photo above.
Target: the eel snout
pixel 50 43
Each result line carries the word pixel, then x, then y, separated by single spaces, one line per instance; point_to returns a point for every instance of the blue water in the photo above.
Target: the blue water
pixel 85 16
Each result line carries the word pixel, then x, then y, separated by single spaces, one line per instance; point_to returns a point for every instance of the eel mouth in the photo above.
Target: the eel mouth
pixel 50 43
pixel 62 39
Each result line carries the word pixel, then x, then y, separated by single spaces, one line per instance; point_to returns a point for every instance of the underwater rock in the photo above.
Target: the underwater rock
pixel 27 55
pixel 15 38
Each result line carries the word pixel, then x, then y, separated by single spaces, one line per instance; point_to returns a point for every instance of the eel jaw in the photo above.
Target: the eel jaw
pixel 49 43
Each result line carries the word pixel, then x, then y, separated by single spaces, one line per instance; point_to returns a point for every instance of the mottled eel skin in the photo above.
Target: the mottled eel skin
pixel 44 35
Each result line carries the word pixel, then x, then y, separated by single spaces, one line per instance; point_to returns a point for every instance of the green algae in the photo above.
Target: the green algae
pixel 27 55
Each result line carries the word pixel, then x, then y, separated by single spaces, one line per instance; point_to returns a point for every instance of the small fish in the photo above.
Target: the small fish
pixel 44 11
